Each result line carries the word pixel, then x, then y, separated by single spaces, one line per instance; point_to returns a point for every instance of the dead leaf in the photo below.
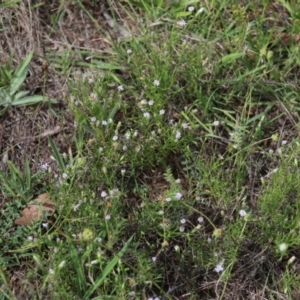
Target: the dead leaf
pixel 37 210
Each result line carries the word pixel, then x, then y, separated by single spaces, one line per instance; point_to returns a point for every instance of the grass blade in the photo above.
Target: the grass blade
pixel 107 270
pixel 57 155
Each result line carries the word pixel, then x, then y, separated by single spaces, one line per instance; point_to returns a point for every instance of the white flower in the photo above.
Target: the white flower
pixel 200 10
pixel 242 213
pixel 181 23
pixel 178 135
pixel 181 228
pixel 64 175
pixel 93 262
pixel 45 166
pixel 182 221
pixel 115 138
pixel 129 51
pixel 283 247
pixel 147 115
pixel 120 88
pixel 51 271
pixel 156 82
pixel 162 112
pixel 185 126
pixel 216 123
pixel 151 102
pixel 200 219
pixel 219 268
pixel 103 194
pixel 100 149
pixel 30 238
pixel 168 199
pixel 209 240
pixel 178 180
pixel 161 212
pixel 107 217
pixel 284 142
pixel 123 171
pixel 124 148
pixel 45 225
pixel 154 258
pixel 178 195
pixel 62 264
pixel 104 122
pixel 191 8
pixel 93 119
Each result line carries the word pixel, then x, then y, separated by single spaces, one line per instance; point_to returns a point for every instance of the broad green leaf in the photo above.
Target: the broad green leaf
pixel 107 270
pixel 20 74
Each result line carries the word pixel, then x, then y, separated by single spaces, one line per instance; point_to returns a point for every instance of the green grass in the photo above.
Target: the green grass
pixel 181 184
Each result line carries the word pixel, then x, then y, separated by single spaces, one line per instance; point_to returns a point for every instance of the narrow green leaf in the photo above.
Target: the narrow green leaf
pixel 99 65
pixel 27 174
pixel 20 95
pixel 107 270
pixel 20 74
pixel 57 155
pixel 230 58
pixel 32 100
pixel 80 278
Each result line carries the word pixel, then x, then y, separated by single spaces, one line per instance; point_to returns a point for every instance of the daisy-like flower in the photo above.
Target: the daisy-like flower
pixel 178 135
pixel 168 199
pixel 107 217
pixel 115 138
pixel 123 171
pixel 154 258
pixel 146 115
pixel 242 213
pixel 129 51
pixel 104 123
pixel 181 228
pixel 64 176
pixel 103 194
pixel 185 126
pixel 191 8
pixel 45 225
pixel 93 119
pixel 151 102
pixel 181 23
pixel 200 219
pixel 120 88
pixel 51 271
pixel 162 112
pixel 283 247
pixel 178 195
pixel 62 264
pixel 216 123
pixel 219 268
pixel 45 166
pixel 156 82
pixel 182 221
